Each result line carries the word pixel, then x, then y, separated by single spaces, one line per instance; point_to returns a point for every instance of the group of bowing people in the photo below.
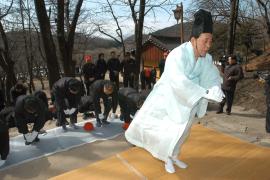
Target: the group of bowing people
pixel 68 99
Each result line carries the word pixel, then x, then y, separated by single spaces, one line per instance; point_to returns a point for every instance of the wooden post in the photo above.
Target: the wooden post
pixel 182 25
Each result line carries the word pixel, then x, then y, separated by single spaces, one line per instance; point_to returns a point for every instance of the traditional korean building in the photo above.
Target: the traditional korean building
pixel 161 41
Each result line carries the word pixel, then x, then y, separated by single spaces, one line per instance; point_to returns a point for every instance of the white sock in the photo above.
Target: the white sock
pixel 2 162
pixel 169 166
pixel 179 163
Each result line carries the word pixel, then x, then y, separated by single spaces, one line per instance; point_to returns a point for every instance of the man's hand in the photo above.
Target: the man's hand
pixel 72 110
pixel 101 116
pixel 214 94
pixel 113 116
pixel 69 111
pixel 66 111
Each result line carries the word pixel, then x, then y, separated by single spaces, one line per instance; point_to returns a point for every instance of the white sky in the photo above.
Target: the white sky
pixel 161 18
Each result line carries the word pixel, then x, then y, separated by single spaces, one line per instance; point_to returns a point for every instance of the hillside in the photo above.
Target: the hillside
pixel 250 94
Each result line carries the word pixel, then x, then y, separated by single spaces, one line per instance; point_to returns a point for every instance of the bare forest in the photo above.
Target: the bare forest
pixel 45 39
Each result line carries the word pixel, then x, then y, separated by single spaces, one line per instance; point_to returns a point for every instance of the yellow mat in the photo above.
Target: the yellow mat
pixel 209 154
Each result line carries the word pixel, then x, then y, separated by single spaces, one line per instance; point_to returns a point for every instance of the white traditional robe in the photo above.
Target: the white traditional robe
pixel 162 119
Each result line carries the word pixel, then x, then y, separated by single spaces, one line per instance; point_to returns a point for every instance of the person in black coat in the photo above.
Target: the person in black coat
pixel 142 79
pixel 101 67
pixel 67 94
pixel 114 68
pixel 105 90
pixel 130 101
pixel 17 90
pixel 43 97
pixel 89 74
pixel 128 70
pixel 30 109
pixel 153 76
pixel 4 139
pixel 232 74
pixel 161 64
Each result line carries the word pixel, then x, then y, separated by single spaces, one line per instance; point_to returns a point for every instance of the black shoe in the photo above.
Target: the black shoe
pixel 228 113
pixel 219 112
pixel 98 124
pixel 36 140
pixel 105 122
pixel 64 128
pixel 27 143
pixel 121 117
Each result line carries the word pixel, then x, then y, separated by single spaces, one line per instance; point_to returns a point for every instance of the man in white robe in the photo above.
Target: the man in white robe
pixel 189 81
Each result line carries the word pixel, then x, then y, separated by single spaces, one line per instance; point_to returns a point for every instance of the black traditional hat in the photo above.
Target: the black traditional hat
pixel 202 23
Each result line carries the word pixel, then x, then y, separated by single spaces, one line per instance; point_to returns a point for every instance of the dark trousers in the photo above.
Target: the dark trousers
pixel 38 123
pixel 115 78
pixel 87 86
pixel 100 76
pixel 61 116
pixel 4 144
pixel 125 114
pixel 229 95
pixel 142 83
pixel 148 82
pixel 128 80
pixel 107 108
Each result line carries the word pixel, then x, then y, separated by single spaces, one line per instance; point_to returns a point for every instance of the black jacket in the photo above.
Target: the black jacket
pixel 3 120
pixel 60 91
pixel 114 65
pixel 89 71
pixel 22 117
pixel 129 99
pixel 7 116
pixel 235 72
pixel 161 66
pixel 101 68
pixel 97 92
pixel 128 66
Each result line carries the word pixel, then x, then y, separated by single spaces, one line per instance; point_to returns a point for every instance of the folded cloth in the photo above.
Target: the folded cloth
pixel 30 137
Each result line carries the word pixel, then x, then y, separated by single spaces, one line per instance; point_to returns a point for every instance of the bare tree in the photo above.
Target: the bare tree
pixel 265 14
pixel 28 48
pixel 66 39
pixel 138 22
pixel 119 39
pixel 232 26
pixel 6 61
pixel 48 43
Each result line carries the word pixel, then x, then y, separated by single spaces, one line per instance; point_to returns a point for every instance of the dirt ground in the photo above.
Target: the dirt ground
pixel 246 122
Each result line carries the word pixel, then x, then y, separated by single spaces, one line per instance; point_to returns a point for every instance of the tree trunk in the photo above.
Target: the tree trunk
pixel 28 51
pixel 66 44
pixel 49 46
pixel 138 38
pixel 7 64
pixel 232 28
pixel 265 16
